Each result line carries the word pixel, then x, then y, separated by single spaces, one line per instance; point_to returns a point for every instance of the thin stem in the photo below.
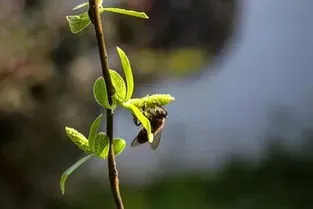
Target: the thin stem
pixel 113 173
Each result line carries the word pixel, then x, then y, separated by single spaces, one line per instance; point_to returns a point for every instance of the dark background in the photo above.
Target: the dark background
pixel 239 134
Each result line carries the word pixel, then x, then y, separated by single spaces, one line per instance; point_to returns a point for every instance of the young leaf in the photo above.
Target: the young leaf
pixel 81 5
pixel 93 131
pixel 100 93
pixel 119 85
pixel 128 73
pixel 70 170
pixel 78 23
pixel 140 116
pixel 155 99
pixel 78 139
pixel 101 146
pixel 119 145
pixel 125 12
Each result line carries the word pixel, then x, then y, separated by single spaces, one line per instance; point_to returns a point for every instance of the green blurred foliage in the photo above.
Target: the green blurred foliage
pixel 282 180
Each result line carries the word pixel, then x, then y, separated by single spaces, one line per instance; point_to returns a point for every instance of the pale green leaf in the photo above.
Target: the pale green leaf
pixel 70 170
pixel 125 12
pixel 128 73
pixel 119 145
pixel 119 86
pixel 78 22
pixel 93 131
pixel 100 93
pixel 151 101
pixel 78 139
pixel 101 146
pixel 141 117
pixel 81 5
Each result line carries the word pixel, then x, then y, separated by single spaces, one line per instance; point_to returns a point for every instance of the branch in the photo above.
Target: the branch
pixel 113 173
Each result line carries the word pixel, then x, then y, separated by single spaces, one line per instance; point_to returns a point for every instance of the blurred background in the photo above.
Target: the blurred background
pixel 238 136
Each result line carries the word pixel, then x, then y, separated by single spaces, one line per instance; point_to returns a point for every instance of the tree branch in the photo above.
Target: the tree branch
pixel 113 173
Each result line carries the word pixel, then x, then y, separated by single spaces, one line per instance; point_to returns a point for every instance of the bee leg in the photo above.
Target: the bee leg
pixel 136 121
pixel 144 107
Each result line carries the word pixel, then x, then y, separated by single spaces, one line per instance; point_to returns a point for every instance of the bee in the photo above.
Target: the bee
pixel 156 116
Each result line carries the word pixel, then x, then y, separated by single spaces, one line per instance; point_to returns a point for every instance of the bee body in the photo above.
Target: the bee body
pixel 157 117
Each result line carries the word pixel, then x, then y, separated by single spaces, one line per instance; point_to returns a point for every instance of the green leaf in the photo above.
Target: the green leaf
pixel 78 139
pixel 150 101
pixel 119 85
pixel 128 73
pixel 119 145
pixel 140 116
pixel 100 93
pixel 125 12
pixel 93 131
pixel 101 146
pixel 70 170
pixel 81 5
pixel 78 22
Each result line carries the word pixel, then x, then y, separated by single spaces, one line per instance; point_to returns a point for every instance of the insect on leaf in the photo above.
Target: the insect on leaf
pixel 142 118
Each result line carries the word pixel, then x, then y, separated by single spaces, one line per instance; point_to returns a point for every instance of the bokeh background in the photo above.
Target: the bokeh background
pixel 238 136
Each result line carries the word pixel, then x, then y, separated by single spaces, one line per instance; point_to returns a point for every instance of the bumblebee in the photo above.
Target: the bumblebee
pixel 157 116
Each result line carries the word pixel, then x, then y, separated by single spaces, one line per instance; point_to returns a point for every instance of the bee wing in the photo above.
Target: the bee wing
pixel 141 138
pixel 135 142
pixel 156 139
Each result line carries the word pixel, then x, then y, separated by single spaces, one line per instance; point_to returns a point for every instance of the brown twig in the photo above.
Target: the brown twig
pixel 113 173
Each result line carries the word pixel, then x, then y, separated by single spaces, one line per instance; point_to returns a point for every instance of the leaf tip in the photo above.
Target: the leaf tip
pixel 150 137
pixel 119 50
pixel 145 16
pixel 62 186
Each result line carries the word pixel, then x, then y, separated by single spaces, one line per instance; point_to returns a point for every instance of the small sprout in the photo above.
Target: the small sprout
pixel 78 139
